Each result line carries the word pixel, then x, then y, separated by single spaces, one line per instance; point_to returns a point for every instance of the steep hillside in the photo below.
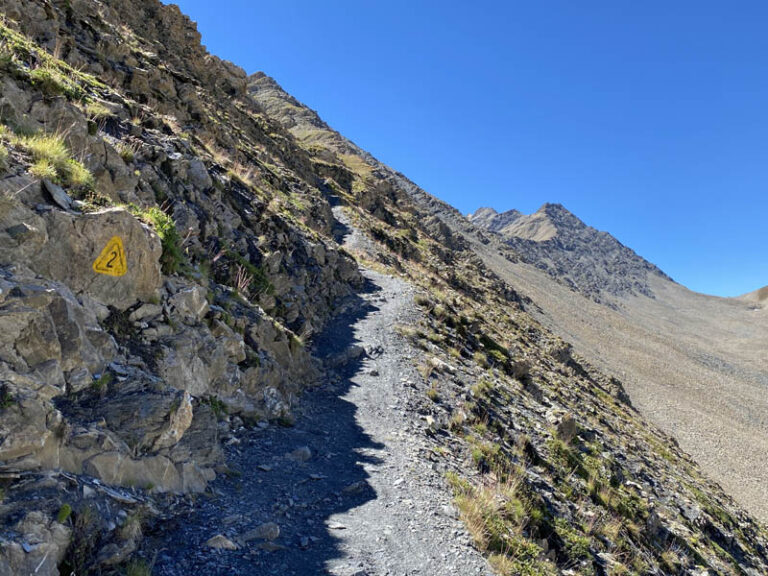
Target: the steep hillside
pixel 172 279
pixel 497 413
pixel 588 260
pixel 693 364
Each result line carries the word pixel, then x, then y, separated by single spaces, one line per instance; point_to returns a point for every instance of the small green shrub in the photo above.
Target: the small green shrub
pixel 83 543
pixel 259 281
pixel 630 505
pixel 126 152
pixel 497 356
pixel 480 359
pixel 172 259
pixel 64 513
pixel 6 397
pixel 77 175
pixel 102 382
pixel 576 543
pixel 217 406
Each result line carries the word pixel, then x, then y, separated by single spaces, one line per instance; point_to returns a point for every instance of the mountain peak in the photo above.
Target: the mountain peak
pixel 554 239
pixel 492 220
pixel 485 211
pixel 555 210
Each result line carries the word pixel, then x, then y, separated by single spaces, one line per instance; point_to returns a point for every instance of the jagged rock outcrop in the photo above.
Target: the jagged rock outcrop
pixel 588 260
pixel 488 218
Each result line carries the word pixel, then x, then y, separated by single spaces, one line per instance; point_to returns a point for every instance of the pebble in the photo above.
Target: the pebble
pixel 268 531
pixel 301 454
pixel 221 542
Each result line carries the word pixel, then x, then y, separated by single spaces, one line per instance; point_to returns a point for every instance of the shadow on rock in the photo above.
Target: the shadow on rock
pixel 277 505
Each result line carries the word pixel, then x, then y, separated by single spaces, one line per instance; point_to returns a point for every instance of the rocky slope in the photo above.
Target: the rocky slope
pixel 588 260
pixel 169 260
pixel 457 272
pixel 693 364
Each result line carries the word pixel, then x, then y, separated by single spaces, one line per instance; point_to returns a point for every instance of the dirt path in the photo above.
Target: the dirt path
pixel 349 486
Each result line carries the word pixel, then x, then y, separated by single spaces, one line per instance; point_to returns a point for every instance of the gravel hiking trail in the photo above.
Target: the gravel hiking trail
pixel 348 490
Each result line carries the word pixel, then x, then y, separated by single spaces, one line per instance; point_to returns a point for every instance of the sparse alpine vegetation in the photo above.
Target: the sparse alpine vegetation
pixel 167 306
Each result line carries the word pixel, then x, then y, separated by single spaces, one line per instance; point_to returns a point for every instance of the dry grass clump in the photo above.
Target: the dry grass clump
pixel 497 514
pixel 51 159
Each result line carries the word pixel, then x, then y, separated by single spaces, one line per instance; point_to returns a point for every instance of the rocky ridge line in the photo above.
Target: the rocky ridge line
pixel 588 260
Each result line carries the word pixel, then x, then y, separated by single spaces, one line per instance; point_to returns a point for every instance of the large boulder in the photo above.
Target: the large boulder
pixel 75 242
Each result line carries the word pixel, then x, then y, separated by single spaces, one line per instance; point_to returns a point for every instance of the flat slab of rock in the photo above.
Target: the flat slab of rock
pixel 301 454
pixel 74 243
pixel 268 531
pixel 58 194
pixel 221 542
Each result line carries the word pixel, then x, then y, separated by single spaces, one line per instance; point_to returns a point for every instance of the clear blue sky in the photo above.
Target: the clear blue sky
pixel 645 119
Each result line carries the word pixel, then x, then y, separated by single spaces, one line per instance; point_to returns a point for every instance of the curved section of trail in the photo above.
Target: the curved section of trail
pixel 346 491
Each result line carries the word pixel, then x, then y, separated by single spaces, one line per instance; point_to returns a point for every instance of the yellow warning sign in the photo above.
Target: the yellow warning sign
pixel 112 261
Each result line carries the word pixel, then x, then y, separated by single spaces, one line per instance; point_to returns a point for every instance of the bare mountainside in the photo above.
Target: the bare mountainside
pixel 758 296
pixel 694 364
pixel 232 342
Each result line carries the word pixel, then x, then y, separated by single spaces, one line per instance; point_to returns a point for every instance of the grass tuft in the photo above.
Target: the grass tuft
pixel 52 160
pixel 172 259
pixel 64 513
pixel 44 170
pixel 97 111
pixel 138 568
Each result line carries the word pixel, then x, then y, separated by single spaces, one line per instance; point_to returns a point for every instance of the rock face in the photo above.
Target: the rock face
pixel 75 242
pixel 587 260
